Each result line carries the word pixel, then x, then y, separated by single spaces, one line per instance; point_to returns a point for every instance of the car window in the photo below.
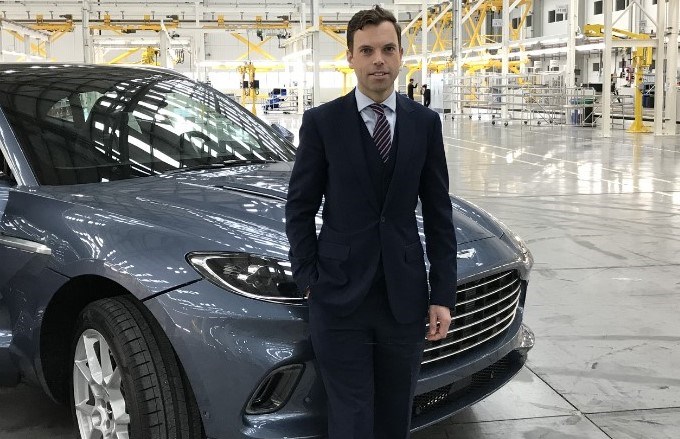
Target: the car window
pixel 90 129
pixel 5 173
pixel 184 124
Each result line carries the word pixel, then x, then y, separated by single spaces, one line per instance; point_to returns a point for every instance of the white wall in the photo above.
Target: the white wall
pixel 556 28
pixel 624 19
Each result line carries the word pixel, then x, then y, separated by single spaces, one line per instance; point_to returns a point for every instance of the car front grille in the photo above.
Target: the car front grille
pixel 484 309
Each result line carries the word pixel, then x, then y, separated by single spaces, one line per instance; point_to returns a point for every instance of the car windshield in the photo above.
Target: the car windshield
pixel 87 124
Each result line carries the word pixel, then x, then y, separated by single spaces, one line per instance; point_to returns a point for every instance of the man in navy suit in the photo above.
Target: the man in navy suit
pixel 370 155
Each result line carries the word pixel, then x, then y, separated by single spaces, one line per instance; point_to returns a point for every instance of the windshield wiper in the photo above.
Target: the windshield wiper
pixel 223 164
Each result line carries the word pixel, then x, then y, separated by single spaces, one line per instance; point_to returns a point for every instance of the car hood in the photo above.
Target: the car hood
pixel 242 208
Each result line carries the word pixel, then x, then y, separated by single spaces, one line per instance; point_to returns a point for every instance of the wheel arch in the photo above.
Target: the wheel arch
pixel 59 325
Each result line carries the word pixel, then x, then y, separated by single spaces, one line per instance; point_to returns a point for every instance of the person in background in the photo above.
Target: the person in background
pixel 410 87
pixel 371 155
pixel 614 91
pixel 426 95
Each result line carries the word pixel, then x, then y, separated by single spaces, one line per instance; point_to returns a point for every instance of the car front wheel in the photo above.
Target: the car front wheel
pixel 126 380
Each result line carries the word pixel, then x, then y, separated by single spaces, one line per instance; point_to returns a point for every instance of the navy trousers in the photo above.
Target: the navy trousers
pixel 369 364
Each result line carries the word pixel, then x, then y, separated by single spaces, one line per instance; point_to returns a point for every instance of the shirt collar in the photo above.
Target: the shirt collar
pixel 364 101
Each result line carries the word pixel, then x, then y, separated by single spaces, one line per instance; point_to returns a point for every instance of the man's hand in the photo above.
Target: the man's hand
pixel 440 320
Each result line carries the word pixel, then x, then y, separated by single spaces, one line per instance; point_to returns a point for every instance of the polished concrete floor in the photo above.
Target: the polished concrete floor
pixel 602 217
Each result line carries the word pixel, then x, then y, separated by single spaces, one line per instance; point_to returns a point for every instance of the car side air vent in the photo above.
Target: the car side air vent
pixel 275 390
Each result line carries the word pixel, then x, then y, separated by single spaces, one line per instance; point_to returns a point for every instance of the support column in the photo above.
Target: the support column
pixel 458 47
pixel 607 68
pixel 316 51
pixel 2 55
pixel 198 46
pixel 27 46
pixel 505 59
pixel 423 45
pixel 537 17
pixel 164 45
pixel 198 55
pixel 87 49
pixel 672 67
pixel 572 24
pixel 395 11
pixel 300 68
pixel 659 80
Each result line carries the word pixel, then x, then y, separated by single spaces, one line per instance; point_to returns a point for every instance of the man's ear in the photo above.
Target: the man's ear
pixel 349 57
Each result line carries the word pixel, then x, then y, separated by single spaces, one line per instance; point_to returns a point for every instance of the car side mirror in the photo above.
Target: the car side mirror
pixel 283 132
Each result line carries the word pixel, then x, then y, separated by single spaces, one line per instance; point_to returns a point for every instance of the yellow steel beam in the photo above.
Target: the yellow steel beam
pixel 124 55
pixel 55 36
pixel 258 25
pixel 254 47
pixel 146 25
pixel 642 57
pixel 515 33
pixel 38 49
pixel 441 42
pixel 476 39
pixel 330 31
pixel 53 26
pixel 411 38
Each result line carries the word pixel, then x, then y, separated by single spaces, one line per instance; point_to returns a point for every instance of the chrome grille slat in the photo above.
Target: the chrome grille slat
pixel 474 287
pixel 460 328
pixel 458 340
pixel 476 310
pixel 503 290
pixel 450 354
pixel 457 316
pixel 486 295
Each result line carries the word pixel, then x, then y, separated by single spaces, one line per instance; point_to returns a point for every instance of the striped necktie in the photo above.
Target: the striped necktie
pixel 382 135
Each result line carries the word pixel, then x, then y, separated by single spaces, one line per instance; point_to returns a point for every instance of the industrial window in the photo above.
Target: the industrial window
pixel 551 16
pixel 515 23
pixel 621 5
pixel 596 67
pixel 597 7
pixel 528 21
pixel 559 16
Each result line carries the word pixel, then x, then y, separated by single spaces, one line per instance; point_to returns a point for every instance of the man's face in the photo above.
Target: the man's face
pixel 376 59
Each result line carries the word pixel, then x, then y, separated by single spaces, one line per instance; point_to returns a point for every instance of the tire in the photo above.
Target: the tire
pixel 126 381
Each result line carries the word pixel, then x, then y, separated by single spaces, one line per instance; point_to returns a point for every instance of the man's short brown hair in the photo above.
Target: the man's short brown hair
pixel 373 17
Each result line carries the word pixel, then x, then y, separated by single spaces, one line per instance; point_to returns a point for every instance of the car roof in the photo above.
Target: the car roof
pixel 14 71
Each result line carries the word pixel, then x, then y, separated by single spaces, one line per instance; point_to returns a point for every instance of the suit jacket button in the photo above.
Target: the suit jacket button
pixel 382 219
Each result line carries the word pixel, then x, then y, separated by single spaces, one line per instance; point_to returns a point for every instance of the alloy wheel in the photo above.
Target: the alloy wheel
pixel 98 393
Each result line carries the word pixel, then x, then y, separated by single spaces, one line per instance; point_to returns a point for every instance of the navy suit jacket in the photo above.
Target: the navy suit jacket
pixel 340 264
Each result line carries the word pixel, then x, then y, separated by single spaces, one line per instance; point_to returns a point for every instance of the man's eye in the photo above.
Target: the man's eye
pixel 365 51
pixel 390 49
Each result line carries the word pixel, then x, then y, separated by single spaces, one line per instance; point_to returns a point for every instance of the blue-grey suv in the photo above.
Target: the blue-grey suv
pixel 144 277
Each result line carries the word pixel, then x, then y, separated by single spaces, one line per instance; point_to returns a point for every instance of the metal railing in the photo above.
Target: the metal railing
pixel 530 100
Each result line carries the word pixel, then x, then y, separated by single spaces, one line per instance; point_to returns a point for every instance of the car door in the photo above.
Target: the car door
pixel 8 371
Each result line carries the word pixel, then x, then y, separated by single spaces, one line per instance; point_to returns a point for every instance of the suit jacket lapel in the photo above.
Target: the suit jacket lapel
pixel 351 137
pixel 406 137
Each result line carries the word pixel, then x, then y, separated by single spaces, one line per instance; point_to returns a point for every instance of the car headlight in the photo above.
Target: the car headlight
pixel 257 277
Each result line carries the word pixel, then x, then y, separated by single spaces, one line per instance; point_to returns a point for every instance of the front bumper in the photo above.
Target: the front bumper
pixel 227 344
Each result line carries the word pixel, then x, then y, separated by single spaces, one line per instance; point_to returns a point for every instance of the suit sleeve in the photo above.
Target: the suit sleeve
pixel 305 192
pixel 440 233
